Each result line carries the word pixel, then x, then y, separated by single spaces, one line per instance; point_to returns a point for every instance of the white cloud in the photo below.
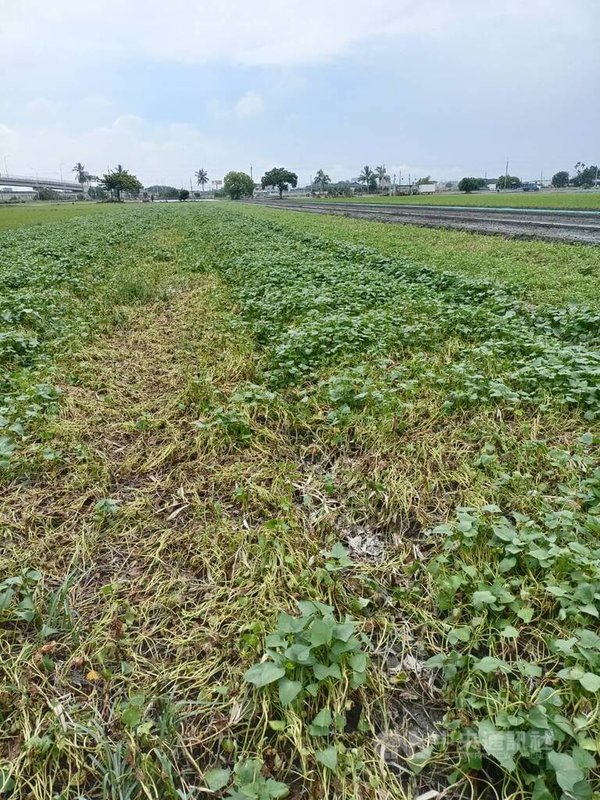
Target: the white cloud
pixel 249 105
pixel 95 105
pixel 251 32
pixel 157 153
pixel 40 108
pixel 73 105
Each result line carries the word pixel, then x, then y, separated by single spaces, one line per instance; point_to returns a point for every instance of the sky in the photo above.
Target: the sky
pixel 445 88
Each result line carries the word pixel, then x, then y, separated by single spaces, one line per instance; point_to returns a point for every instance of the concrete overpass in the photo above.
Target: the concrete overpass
pixel 44 183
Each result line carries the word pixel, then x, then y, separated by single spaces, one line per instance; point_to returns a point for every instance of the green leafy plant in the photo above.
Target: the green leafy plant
pixel 308 652
pixel 534 733
pixel 248 783
pixel 23 599
pixel 17 596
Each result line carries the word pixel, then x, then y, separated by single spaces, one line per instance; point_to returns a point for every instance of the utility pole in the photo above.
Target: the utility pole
pixel 251 173
pixel 506 176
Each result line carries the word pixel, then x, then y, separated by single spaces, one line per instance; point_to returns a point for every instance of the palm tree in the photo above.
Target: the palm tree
pixel 82 175
pixel 201 177
pixel 367 176
pixel 322 180
pixel 381 176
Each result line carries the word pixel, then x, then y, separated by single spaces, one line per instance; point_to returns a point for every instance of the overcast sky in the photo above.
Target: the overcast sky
pixel 441 87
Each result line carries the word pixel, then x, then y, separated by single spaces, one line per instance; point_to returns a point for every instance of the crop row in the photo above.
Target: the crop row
pixel 59 284
pixel 362 341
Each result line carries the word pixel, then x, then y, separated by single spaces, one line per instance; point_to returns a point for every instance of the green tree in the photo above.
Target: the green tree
pixel 382 176
pixel 97 193
pixel 280 178
pixel 469 185
pixel 183 194
pixel 44 193
pixel 201 177
pixel 369 178
pixel 82 175
pixel 120 180
pixel 322 180
pixel 509 182
pixel 163 192
pixel 340 189
pixel 237 185
pixel 560 179
pixel 585 176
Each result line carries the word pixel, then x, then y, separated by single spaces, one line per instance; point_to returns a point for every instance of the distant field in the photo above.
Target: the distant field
pixel 576 200
pixel 17 216
pixel 542 272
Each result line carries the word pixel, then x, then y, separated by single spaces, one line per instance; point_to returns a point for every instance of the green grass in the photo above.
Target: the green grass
pixel 542 272
pixel 307 518
pixel 581 201
pixel 23 215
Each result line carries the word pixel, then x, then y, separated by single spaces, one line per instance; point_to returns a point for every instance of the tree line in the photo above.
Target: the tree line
pixel 585 177
pixel 118 182
pixel 236 185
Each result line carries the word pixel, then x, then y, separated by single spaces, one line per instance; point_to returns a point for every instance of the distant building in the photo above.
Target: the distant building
pixel 14 193
pixel 269 191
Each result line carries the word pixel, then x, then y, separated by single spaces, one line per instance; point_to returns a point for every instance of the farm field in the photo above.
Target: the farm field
pixel 582 201
pixel 23 215
pixel 291 506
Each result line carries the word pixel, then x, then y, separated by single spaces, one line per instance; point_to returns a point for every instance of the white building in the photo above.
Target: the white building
pixel 22 193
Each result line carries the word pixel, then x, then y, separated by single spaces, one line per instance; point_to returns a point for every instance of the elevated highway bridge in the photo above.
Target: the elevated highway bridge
pixel 39 182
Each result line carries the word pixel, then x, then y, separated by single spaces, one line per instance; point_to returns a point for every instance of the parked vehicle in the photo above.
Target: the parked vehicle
pixel 531 186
